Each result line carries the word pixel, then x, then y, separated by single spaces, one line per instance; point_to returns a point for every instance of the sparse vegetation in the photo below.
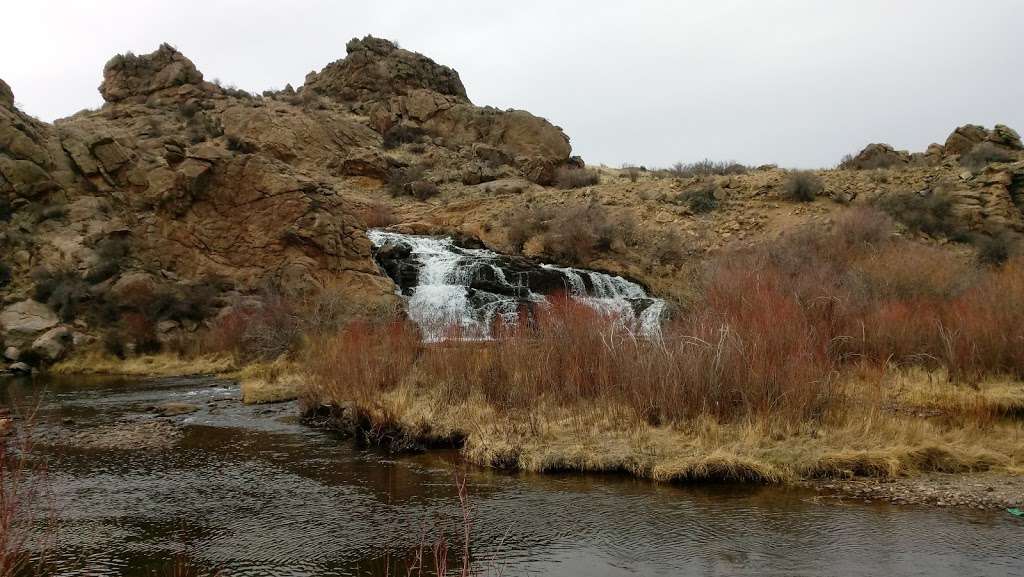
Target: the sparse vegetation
pixel 802 186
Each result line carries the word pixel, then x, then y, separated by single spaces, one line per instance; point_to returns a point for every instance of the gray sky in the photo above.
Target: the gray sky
pixel 796 82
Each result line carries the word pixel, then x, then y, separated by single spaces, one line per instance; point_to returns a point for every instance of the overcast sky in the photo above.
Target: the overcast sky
pixel 795 82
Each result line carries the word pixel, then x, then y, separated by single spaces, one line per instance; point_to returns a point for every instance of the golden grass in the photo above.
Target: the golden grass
pixel 273 382
pixel 916 389
pixel 159 365
pixel 866 440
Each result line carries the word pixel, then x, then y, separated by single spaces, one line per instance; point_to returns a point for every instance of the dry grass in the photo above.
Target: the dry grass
pixel 164 364
pixel 272 382
pixel 600 437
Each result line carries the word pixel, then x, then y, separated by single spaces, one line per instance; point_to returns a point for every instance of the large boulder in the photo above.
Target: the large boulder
pixel 127 76
pixel 377 69
pixel 24 320
pixel 52 345
pixel 879 155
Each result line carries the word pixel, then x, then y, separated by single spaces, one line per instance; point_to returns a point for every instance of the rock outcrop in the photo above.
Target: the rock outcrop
pixel 878 155
pixel 398 87
pixel 137 78
pixel 966 137
pixel 377 70
pixel 194 181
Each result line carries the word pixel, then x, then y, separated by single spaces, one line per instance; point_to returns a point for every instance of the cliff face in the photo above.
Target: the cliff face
pixel 177 179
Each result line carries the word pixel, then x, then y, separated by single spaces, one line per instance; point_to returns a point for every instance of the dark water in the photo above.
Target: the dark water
pixel 249 491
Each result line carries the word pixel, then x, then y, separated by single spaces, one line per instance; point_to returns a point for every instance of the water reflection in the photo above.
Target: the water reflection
pixel 250 491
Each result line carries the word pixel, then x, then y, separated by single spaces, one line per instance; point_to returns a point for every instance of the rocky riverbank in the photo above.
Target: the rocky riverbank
pixel 982 491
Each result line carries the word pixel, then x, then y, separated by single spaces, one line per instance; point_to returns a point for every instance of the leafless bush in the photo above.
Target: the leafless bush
pixel 707 167
pixel 378 215
pixel 930 212
pixel 569 177
pixel 802 186
pixel 701 199
pixel 983 154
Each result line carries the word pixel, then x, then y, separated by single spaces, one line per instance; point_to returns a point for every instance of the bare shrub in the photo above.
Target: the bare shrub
pixel 379 215
pixel 411 181
pixel 863 227
pixel 580 230
pixel 522 225
pixel 985 153
pixel 707 167
pixel 63 290
pixel 24 500
pixel 993 250
pixel 111 256
pixel 802 186
pixel 400 134
pixel 701 199
pixel 930 213
pixel 570 177
pixel 263 328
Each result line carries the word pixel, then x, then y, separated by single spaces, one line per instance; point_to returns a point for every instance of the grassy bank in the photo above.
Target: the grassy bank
pixel 829 354
pixel 259 381
pixel 97 362
pixel 882 425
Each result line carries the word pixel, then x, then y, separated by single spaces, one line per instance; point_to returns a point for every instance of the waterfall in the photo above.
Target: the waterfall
pixel 468 289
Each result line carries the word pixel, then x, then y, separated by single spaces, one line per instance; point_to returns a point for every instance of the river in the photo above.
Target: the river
pixel 248 490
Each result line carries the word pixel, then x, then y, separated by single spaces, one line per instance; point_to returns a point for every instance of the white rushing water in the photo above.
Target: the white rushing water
pixel 442 299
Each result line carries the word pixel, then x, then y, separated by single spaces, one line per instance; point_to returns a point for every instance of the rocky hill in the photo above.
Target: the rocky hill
pixel 193 195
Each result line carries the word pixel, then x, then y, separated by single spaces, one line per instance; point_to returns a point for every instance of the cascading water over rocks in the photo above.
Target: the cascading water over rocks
pixel 449 286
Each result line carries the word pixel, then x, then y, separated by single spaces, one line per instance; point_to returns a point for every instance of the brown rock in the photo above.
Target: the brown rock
pixel 129 76
pixel 964 138
pixel 879 155
pixel 24 320
pixel 52 345
pixel 377 69
pixel 1005 136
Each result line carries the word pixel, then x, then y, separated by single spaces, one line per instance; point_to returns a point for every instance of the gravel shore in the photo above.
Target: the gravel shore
pixel 977 491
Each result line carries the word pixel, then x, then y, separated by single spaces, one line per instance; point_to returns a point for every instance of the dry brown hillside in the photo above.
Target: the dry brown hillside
pixel 161 211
